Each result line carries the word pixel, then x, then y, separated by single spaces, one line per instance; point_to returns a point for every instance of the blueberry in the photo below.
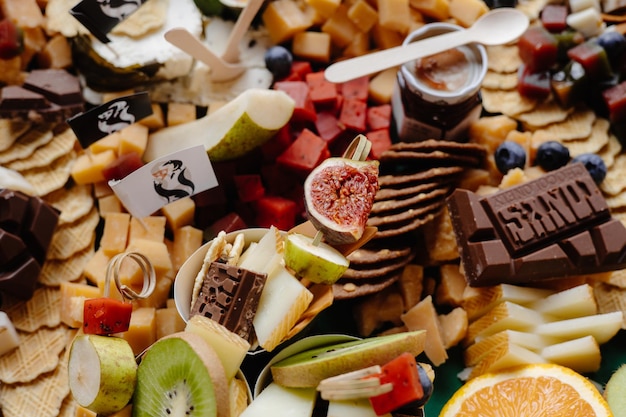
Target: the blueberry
pixel 613 42
pixel 594 164
pixel 278 61
pixel 510 155
pixel 551 155
pixel 414 408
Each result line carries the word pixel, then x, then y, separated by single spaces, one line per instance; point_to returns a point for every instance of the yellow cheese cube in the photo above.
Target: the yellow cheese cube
pixel 73 296
pixel 57 53
pixel 83 412
pixel 313 15
pixel 384 38
pixel 156 120
pixel 179 213
pixel 394 15
pixel 95 268
pixel 466 12
pixel 156 252
pixel 110 204
pixel 115 233
pixel 360 45
pixel 159 296
pixel 437 9
pixel 133 138
pixel 363 15
pixel 382 84
pixel 124 412
pixel 151 228
pixel 313 46
pixel 324 7
pixel 283 19
pixel 340 28
pixel 112 95
pixel 180 113
pixel 168 321
pixel 108 143
pixel 142 330
pixel 451 286
pixel 187 240
pixel 87 168
pixel 101 189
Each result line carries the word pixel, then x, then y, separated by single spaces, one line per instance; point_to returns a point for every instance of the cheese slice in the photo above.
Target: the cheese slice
pixel 276 400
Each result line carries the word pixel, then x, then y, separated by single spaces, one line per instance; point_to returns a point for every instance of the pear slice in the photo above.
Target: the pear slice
pixel 102 373
pixel 316 261
pixel 309 368
pixel 615 392
pixel 233 130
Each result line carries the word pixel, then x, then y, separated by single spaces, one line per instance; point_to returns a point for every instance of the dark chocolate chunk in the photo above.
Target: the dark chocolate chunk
pixel 21 281
pixel 558 225
pixel 11 246
pixel 15 97
pixel 58 85
pixel 230 295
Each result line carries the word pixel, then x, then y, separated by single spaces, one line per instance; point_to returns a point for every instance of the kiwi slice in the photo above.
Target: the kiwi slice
pixel 181 375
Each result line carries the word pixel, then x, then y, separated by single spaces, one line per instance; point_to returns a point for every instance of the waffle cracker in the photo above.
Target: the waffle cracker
pixel 42 397
pixel 508 102
pixel 52 177
pixel 43 309
pixel 55 271
pixel 503 58
pixel 74 237
pixel 546 113
pixel 69 407
pixel 73 203
pixel 609 152
pixel 615 180
pixel 578 125
pixel 10 131
pixel 616 202
pixel 610 299
pixel 26 144
pixel 60 145
pixel 500 81
pixel 37 354
pixel 597 140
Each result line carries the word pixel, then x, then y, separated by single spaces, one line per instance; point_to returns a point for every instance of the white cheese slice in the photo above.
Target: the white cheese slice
pixel 278 401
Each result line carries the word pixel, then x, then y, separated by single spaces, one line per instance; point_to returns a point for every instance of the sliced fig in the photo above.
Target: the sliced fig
pixel 339 194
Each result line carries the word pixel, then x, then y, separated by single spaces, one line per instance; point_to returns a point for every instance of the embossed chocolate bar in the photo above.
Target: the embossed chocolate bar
pixel 555 226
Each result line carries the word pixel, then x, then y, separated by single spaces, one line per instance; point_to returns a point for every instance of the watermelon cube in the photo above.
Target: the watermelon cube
pixel 402 372
pixel 230 222
pixel 305 153
pixel 381 141
pixel 353 114
pixel 299 91
pixel 356 89
pixel 104 316
pixel 275 211
pixel 328 126
pixel 379 117
pixel 249 187
pixel 323 93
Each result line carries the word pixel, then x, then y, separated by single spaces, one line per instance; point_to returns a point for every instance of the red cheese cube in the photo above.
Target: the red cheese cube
pixel 534 84
pixel 379 117
pixel 301 69
pixel 354 114
pixel 122 166
pixel 356 89
pixel 538 48
pixel 106 316
pixel 328 126
pixel 381 141
pixel 593 58
pixel 299 91
pixel 277 145
pixel 305 153
pixel 249 187
pixel 615 101
pixel 553 17
pixel 276 211
pixel 323 92
pixel 403 373
pixel 231 222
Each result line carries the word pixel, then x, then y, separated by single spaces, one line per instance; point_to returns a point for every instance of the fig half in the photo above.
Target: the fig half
pixel 339 194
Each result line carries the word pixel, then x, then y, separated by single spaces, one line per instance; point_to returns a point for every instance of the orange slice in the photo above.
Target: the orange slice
pixel 528 390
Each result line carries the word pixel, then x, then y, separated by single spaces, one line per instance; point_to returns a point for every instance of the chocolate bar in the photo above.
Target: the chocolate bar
pixel 230 295
pixel 557 225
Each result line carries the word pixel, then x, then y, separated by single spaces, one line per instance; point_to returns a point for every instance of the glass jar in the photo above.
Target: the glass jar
pixel 438 97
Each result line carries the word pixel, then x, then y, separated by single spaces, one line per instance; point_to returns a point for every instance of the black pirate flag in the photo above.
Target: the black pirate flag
pixel 110 117
pixel 100 16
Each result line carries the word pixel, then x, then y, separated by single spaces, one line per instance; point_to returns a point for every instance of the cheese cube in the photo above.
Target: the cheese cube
pixel 386 38
pixel 451 286
pixel 87 168
pixel 83 412
pixel 312 46
pixel 57 53
pixel 283 19
pixel 115 233
pixel 73 296
pixel 187 240
pixel 95 268
pixel 423 316
pixel 156 120
pixel 108 143
pixel 360 45
pixel 133 138
pixel 325 8
pixel 180 113
pixel 394 15
pixel 142 330
pixel 168 321
pixel 110 204
pixel 363 15
pixel 159 296
pixel 156 252
pixel 25 13
pixel 466 12
pixel 150 227
pixel 101 189
pixel 437 9
pixel 382 84
pixel 340 28
pixel 179 213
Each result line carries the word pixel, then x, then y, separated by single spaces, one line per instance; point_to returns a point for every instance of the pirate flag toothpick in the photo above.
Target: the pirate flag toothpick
pixel 110 117
pixel 100 16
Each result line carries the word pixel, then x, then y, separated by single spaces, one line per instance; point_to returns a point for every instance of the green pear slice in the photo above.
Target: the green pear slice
pixel 615 392
pixel 102 372
pixel 319 263
pixel 309 368
pixel 233 130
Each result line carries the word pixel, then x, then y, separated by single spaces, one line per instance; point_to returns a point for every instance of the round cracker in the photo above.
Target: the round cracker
pixel 349 289
pixel 413 202
pixel 367 256
pixel 431 174
pixel 507 102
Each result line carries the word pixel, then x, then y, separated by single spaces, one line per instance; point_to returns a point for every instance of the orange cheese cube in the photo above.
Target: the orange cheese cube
pixel 142 330
pixel 437 9
pixel 110 142
pixel 115 233
pixel 25 13
pixel 151 228
pixel 156 120
pixel 466 12
pixel 101 189
pixel 133 138
pixel 382 84
pixel 340 28
pixel 87 168
pixel 325 8
pixel 386 38
pixel 491 131
pixel 180 113
pixel 159 296
pixel 283 19
pixel 156 252
pixel 34 40
pixel 394 15
pixel 83 412
pixel 363 15
pixel 73 296
pixel 57 53
pixel 95 268
pixel 312 46
pixel 360 45
pixel 451 286
pixel 168 321
pixel 187 240
pixel 110 204
pixel 179 213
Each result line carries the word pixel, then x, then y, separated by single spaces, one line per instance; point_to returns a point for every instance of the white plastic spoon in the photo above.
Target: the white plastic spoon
pixel 220 69
pixel 496 27
pixel 231 53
